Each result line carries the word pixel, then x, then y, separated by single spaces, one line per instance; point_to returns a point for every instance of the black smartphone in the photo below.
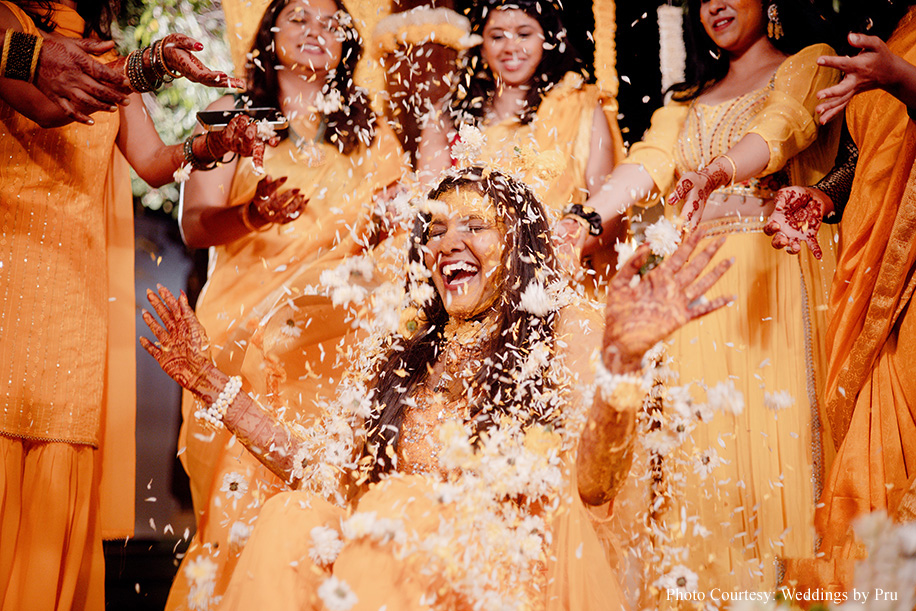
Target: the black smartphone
pixel 216 120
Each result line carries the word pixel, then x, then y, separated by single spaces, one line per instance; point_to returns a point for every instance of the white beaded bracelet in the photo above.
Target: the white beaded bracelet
pixel 214 413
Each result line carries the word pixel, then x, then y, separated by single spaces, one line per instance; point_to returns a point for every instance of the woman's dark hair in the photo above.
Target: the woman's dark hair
pixel 496 388
pixel 98 15
pixel 875 17
pixel 802 25
pixel 354 122
pixel 477 85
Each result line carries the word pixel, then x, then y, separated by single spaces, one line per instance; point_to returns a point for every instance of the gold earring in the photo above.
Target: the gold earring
pixel 774 27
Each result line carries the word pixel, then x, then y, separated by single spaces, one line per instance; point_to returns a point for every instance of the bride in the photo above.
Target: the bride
pixel 469 461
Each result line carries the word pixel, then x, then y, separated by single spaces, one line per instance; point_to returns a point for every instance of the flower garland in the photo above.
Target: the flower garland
pixel 672 53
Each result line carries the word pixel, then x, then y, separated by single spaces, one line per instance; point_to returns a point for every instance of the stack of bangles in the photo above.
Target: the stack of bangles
pixel 19 59
pixel 587 216
pixel 214 413
pixel 196 162
pixel 137 74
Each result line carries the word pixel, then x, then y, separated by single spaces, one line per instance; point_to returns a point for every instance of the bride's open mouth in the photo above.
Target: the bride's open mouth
pixel 458 273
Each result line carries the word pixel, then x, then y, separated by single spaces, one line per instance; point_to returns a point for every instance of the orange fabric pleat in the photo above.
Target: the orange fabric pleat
pixel 50 545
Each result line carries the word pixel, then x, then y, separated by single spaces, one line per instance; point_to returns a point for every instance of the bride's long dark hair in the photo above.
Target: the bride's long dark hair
pixel 528 256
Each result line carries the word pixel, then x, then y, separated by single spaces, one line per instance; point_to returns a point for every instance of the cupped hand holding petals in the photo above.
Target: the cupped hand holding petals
pixel 694 188
pixel 275 206
pixel 181 348
pixel 643 311
pixel 178 54
pixel 797 219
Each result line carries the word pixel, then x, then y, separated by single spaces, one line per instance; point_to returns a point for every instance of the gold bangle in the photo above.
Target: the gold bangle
pixel 165 66
pixel 734 168
pixel 244 216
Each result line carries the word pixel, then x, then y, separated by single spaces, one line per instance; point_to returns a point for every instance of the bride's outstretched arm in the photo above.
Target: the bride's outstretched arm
pixel 640 312
pixel 183 351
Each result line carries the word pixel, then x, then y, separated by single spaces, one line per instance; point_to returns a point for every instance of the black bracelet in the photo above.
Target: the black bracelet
pixel 589 215
pixel 193 160
pixel 19 58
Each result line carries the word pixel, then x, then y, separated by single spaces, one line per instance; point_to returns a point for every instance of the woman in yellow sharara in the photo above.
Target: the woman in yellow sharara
pixel 460 465
pixel 743 487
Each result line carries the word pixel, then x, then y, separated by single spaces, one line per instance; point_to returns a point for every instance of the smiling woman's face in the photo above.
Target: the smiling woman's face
pixel 308 36
pixel 464 252
pixel 513 44
pixel 733 25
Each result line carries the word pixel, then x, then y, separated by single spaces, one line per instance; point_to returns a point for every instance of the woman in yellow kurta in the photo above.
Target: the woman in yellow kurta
pixel 267 240
pixel 66 319
pixel 738 481
pixel 460 467
pixel 522 87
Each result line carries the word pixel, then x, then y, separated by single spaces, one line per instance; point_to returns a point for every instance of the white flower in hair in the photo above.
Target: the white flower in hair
pixel 336 595
pixel 469 145
pixel 663 238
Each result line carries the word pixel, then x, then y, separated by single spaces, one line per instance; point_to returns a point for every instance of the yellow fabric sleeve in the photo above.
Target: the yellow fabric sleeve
pixel 655 153
pixel 788 121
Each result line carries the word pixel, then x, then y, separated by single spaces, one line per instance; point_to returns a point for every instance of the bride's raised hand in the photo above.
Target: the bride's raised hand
pixel 643 311
pixel 181 348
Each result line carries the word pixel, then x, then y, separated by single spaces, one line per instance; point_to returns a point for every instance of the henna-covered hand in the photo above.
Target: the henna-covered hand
pixel 177 52
pixel 694 188
pixel 797 219
pixel 181 348
pixel 74 80
pixel 641 313
pixel 275 206
pixel 241 136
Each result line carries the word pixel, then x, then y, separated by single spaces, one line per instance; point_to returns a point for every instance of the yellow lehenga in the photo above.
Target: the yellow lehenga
pixel 67 353
pixel 410 541
pixel 739 493
pixel 246 278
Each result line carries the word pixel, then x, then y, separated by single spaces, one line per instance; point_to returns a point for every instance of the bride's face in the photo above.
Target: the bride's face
pixel 464 252
pixel 308 37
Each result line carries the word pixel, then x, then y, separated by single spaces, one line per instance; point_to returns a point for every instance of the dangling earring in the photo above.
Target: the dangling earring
pixel 716 54
pixel 774 27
